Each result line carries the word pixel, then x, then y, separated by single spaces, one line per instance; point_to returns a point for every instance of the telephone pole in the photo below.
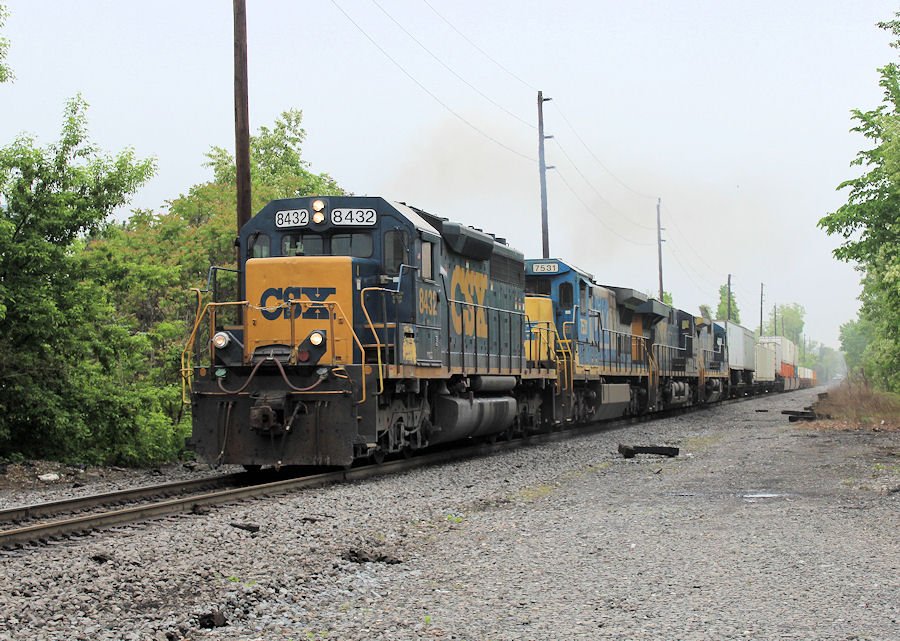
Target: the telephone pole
pixel 241 126
pixel 729 298
pixel 774 320
pixel 545 232
pixel 760 309
pixel 659 242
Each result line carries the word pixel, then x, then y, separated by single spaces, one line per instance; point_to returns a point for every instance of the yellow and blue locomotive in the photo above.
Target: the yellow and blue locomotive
pixel 367 327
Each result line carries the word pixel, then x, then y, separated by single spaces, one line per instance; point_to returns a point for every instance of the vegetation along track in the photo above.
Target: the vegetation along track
pixel 83 523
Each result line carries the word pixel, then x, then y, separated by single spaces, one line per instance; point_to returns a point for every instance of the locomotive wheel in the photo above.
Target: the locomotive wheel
pixel 377 456
pixel 252 469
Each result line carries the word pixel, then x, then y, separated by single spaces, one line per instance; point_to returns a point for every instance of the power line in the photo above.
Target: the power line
pixel 595 157
pixel 673 220
pixel 714 283
pixel 598 217
pixel 687 273
pixel 596 191
pixel 426 90
pixel 450 69
pixel 479 49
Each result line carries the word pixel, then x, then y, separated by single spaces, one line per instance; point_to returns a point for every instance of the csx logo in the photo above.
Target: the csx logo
pixel 468 287
pixel 284 295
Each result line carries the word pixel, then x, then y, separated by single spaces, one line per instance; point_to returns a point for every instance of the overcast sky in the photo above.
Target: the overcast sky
pixel 736 114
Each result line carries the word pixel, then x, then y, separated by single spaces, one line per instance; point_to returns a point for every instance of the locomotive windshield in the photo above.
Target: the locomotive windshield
pixel 358 245
pixel 539 286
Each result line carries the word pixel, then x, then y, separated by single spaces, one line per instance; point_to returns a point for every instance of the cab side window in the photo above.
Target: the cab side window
pixel 395 251
pixel 258 246
pixel 427 260
pixel 566 296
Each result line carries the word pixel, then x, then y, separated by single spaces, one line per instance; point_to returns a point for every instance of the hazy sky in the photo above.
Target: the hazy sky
pixel 736 114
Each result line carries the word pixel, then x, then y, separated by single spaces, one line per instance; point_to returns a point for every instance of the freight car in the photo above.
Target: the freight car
pixel 367 327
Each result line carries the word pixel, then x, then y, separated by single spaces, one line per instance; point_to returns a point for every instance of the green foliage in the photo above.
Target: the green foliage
pixel 6 73
pixel 154 258
pixel 790 322
pixel 869 224
pixel 856 335
pixel 706 312
pixel 722 309
pixel 69 382
pixel 275 161
pixel 94 315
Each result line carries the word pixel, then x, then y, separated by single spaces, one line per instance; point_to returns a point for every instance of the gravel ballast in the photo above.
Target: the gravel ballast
pixel 758 529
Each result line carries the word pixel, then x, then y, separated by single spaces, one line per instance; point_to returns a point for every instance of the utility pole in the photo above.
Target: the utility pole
pixel 241 135
pixel 542 167
pixel 241 114
pixel 774 320
pixel 760 309
pixel 659 242
pixel 729 298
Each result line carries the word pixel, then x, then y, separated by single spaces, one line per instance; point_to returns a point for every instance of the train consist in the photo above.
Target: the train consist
pixel 368 327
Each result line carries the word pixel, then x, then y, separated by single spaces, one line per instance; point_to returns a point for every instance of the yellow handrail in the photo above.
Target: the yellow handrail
pixel 362 302
pixel 187 371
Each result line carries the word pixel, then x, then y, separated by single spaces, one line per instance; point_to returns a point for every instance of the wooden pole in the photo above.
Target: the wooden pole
pixel 241 133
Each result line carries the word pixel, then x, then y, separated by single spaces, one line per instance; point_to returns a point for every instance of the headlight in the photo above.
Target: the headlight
pixel 316 338
pixel 221 340
pixel 318 205
pixel 318 217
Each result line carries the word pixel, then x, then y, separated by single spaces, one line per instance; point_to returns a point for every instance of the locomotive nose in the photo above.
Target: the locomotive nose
pixel 299 306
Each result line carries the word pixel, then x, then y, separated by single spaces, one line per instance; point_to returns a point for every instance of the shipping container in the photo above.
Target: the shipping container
pixel 741 346
pixel 785 352
pixel 765 363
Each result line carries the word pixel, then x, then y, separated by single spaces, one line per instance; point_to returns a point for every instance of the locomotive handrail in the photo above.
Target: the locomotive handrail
pixel 362 302
pixel 187 372
pixel 478 306
pixel 542 327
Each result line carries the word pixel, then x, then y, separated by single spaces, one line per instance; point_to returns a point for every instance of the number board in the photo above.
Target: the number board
pixel 353 217
pixel 292 218
pixel 545 268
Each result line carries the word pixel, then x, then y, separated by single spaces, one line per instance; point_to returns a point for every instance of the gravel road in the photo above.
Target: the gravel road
pixel 759 529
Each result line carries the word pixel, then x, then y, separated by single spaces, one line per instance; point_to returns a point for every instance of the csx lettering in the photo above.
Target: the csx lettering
pixel 469 286
pixel 286 294
pixel 428 302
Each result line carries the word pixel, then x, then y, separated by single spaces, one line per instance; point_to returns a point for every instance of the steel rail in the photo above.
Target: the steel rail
pixel 51 508
pixel 44 531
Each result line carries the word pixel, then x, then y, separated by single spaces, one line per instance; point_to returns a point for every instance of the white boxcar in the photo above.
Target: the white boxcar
pixel 774 344
pixel 741 342
pixel 765 363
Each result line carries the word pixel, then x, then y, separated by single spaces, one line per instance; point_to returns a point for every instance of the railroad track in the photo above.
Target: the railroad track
pixel 83 523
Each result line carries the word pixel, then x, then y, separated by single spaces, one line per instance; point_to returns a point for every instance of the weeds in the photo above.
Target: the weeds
pixel 855 404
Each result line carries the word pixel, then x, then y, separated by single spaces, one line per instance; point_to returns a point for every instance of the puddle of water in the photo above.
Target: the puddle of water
pixel 756 497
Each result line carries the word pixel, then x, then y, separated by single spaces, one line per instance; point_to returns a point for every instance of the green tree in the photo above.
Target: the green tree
pixel 154 258
pixel 66 387
pixel 276 162
pixel 6 73
pixel 722 309
pixel 706 311
pixel 790 322
pixel 869 224
pixel 856 335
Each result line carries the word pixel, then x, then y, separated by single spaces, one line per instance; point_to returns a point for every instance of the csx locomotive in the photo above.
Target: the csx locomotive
pixel 369 327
